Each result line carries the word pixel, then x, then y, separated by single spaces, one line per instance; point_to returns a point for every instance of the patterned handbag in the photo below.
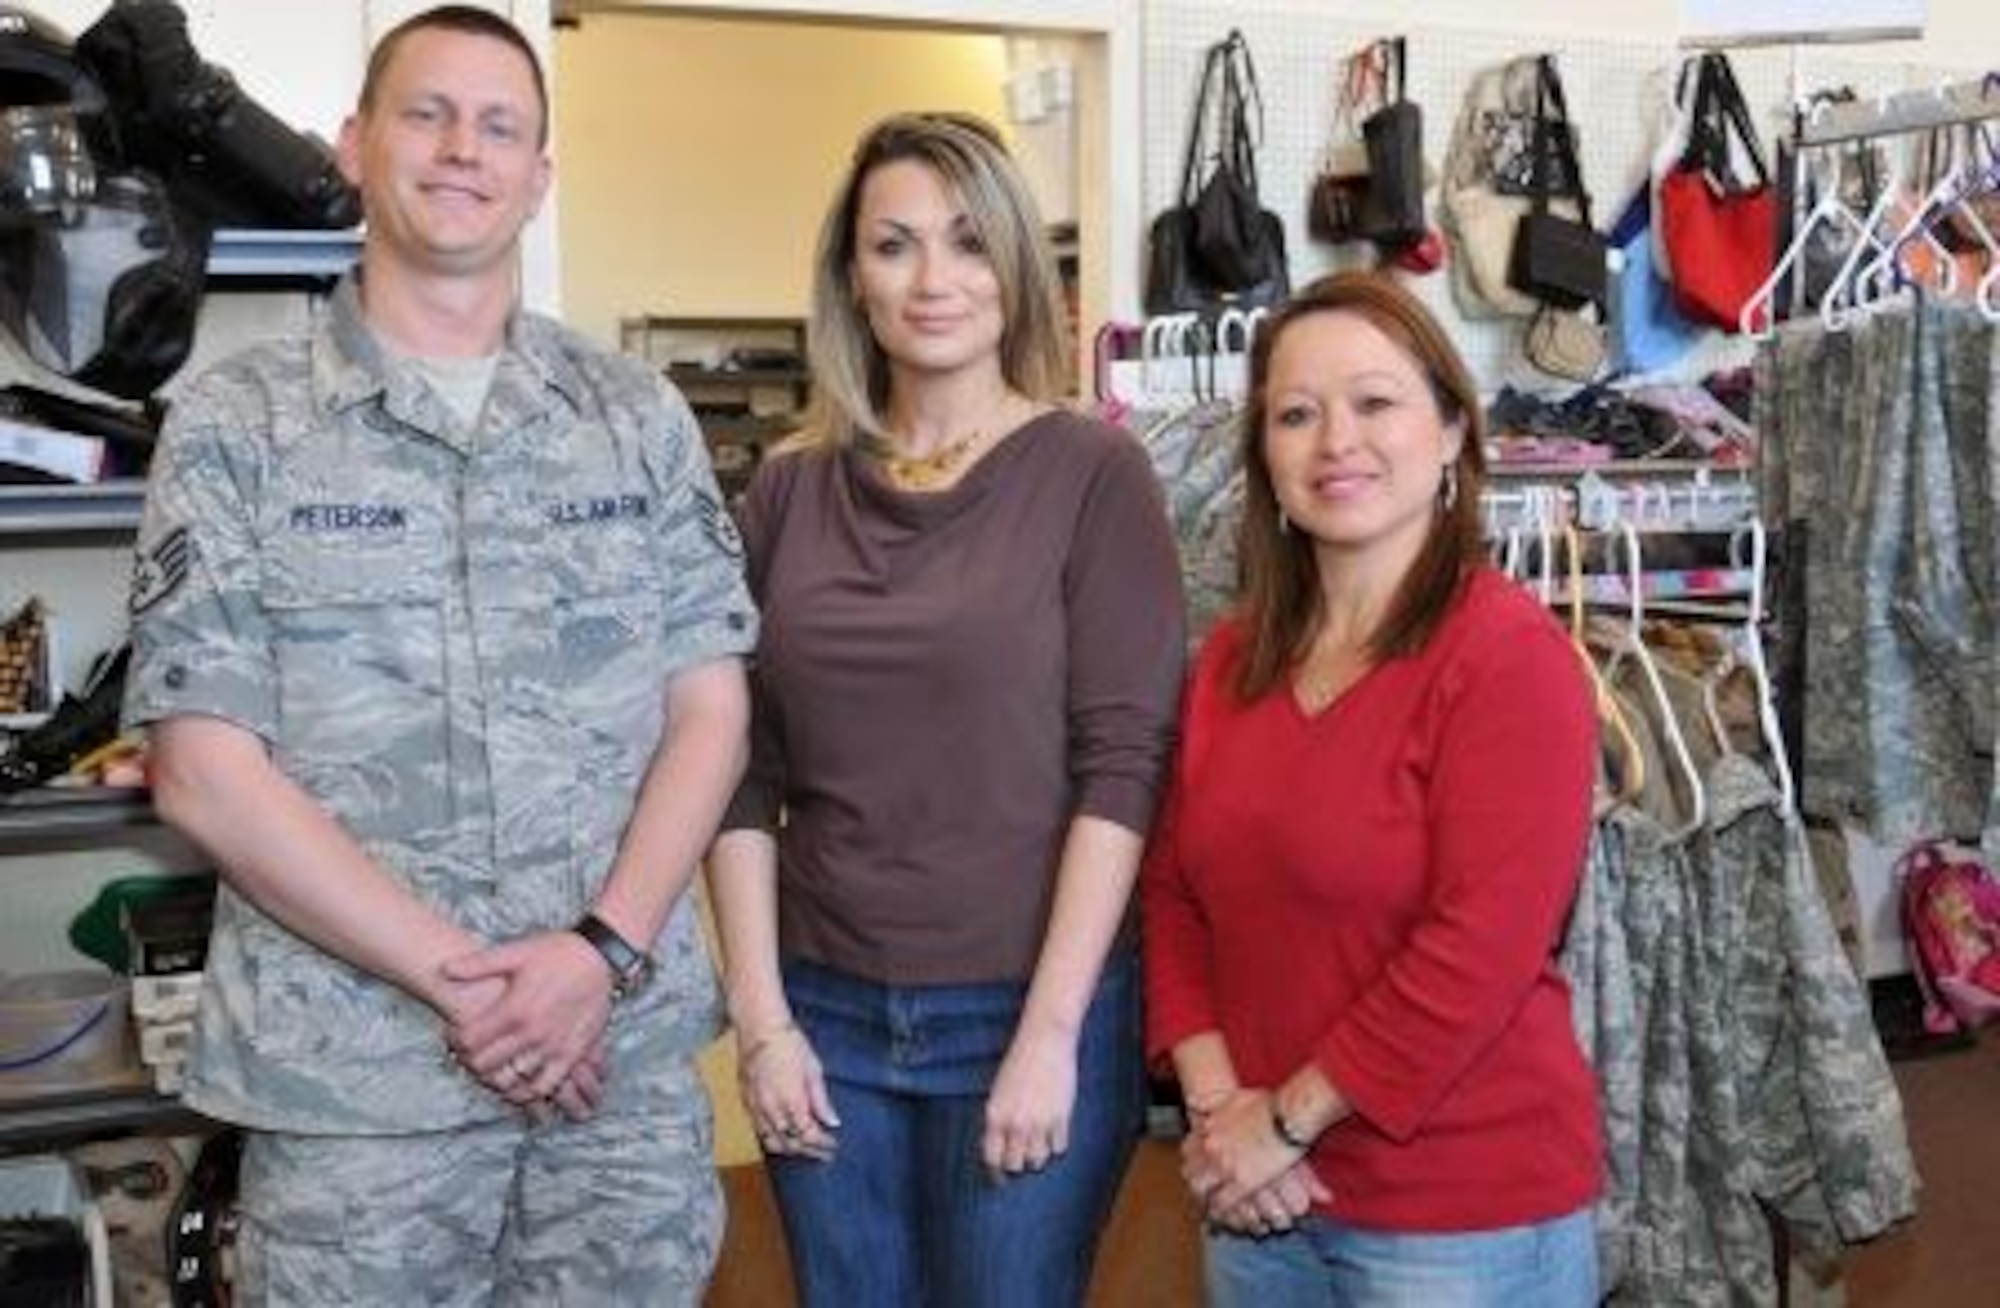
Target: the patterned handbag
pixel 24 659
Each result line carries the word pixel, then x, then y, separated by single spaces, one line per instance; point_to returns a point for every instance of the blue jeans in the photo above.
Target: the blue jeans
pixel 1322 1263
pixel 905 1213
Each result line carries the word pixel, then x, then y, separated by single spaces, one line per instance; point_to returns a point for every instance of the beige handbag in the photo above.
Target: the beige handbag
pixel 1567 343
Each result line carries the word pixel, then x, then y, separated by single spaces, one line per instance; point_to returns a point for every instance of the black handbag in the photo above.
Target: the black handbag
pixel 1217 246
pixel 1392 211
pixel 1556 259
pixel 1340 187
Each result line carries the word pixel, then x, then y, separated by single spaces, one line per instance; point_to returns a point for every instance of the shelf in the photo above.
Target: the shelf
pixel 747 429
pixel 106 506
pixel 58 813
pixel 1501 471
pixel 250 253
pixel 29 1125
pixel 695 374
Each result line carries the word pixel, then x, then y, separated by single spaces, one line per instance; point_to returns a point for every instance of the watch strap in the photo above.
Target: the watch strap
pixel 630 966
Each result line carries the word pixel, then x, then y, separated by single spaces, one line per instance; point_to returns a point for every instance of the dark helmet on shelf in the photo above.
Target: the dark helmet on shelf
pixel 100 275
pixel 49 103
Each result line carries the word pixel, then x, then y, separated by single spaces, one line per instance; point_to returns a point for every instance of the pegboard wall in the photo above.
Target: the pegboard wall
pixel 1616 93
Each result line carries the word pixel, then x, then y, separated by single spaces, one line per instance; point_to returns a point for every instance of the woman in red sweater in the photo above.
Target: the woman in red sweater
pixel 1378 819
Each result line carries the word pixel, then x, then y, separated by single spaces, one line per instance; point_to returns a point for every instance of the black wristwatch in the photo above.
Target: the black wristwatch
pixel 630 968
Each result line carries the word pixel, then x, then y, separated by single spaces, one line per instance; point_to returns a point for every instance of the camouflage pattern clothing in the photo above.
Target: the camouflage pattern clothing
pixel 1830 1154
pixel 456 639
pixel 1737 1063
pixel 1194 452
pixel 1604 1008
pixel 622 1209
pixel 1879 454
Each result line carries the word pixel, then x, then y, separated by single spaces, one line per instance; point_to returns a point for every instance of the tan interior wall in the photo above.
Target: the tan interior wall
pixel 697 154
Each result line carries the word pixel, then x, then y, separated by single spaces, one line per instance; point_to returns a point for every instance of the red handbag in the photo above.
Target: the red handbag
pixel 1721 236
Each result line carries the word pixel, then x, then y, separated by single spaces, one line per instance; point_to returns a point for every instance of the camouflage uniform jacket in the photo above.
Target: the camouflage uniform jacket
pixel 455 640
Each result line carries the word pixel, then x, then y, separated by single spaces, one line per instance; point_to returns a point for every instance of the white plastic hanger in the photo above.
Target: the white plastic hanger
pixel 1510 551
pixel 1234 330
pixel 1986 292
pixel 1152 350
pixel 1760 673
pixel 1610 716
pixel 1758 321
pixel 1979 181
pixel 1184 377
pixel 1836 309
pixel 1632 643
pixel 1546 508
pixel 1885 274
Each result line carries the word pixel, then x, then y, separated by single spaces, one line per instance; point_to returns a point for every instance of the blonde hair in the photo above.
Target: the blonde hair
pixel 850 372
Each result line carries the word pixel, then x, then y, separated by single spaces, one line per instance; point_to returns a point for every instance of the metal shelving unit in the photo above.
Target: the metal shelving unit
pixel 54 815
pixel 743 400
pixel 101 508
pixel 245 254
pixel 32 1125
pixel 107 514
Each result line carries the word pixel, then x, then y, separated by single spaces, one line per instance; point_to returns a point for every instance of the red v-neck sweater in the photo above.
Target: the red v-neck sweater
pixel 1381 889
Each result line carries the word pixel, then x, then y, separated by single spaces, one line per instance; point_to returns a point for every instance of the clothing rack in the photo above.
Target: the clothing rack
pixel 1181 357
pixel 1816 36
pixel 1683 498
pixel 1904 112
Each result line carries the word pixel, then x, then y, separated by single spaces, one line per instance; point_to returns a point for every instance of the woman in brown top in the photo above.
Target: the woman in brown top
pixel 965 695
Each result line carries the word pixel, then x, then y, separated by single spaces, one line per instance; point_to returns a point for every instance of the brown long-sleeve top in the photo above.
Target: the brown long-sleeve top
pixel 945 680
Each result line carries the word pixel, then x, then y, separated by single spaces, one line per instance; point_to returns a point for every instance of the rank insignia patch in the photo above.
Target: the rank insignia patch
pixel 159 571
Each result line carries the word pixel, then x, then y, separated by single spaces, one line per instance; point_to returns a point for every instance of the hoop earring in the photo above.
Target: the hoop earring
pixel 1284 524
pixel 1448 489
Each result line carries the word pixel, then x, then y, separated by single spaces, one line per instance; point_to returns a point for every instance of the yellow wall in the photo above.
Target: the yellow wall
pixel 696 155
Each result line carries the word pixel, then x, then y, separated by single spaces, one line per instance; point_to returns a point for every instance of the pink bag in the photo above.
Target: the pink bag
pixel 1951 926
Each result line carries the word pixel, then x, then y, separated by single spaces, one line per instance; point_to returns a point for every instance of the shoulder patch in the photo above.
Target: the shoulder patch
pixel 717 524
pixel 159 571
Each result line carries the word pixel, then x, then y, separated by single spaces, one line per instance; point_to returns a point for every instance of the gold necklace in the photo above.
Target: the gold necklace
pixel 924 471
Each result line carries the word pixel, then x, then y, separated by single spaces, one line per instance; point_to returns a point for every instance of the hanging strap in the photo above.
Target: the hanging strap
pixel 1243 111
pixel 1394 64
pixel 1357 87
pixel 1211 77
pixel 1554 141
pixel 1721 112
pixel 1230 106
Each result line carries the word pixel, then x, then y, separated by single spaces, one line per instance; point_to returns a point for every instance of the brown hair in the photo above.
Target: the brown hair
pixel 850 372
pixel 1281 603
pixel 469 20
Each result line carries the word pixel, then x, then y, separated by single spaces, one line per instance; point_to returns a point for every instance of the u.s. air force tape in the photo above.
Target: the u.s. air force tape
pixel 159 571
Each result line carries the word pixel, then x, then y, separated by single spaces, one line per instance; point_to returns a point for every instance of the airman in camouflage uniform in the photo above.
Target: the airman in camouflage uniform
pixel 494 642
